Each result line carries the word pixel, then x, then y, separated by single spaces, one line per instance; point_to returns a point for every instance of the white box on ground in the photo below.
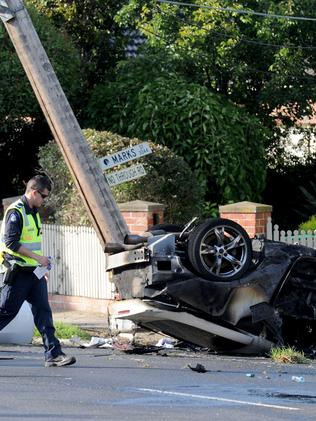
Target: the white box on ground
pixel 127 174
pixel 121 325
pixel 125 155
pixel 20 330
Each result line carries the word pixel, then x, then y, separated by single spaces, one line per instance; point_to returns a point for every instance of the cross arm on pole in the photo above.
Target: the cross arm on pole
pixel 6 13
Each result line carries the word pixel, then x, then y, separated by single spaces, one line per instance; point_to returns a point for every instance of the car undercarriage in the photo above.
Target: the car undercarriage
pixel 210 285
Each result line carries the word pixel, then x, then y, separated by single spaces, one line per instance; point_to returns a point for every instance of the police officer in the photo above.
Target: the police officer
pixel 21 253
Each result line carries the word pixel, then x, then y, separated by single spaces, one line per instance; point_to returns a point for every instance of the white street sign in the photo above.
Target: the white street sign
pixel 127 174
pixel 124 155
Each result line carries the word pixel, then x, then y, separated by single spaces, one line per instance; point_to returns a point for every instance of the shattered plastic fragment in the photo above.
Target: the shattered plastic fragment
pixel 166 343
pixel 298 379
pixel 96 342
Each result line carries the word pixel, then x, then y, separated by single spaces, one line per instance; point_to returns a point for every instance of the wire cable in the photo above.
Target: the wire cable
pixel 238 11
pixel 249 69
pixel 254 42
pixel 242 39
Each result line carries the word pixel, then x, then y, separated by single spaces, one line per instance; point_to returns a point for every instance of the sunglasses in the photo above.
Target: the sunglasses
pixel 43 196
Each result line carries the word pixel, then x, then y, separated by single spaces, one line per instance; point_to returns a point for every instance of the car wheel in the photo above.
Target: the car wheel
pixel 219 250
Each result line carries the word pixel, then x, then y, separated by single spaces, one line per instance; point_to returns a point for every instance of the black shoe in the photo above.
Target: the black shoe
pixel 60 361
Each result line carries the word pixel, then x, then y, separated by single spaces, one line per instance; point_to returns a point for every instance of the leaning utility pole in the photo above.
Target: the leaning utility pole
pixel 87 175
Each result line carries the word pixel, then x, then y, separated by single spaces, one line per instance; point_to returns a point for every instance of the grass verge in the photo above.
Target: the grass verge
pixel 66 331
pixel 288 355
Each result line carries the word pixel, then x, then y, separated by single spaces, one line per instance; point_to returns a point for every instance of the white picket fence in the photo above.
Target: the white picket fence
pixel 304 238
pixel 79 262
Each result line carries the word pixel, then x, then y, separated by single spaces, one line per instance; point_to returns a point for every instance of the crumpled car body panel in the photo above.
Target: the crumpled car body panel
pixel 274 301
pixel 279 265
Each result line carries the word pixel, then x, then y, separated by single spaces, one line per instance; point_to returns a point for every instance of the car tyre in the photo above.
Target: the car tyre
pixel 219 250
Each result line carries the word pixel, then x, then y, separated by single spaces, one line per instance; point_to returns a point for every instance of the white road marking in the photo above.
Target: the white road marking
pixel 215 398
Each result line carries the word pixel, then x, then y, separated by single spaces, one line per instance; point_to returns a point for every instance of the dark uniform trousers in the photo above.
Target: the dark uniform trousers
pixel 26 286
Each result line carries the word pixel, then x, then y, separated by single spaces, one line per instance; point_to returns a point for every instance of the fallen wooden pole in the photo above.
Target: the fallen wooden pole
pixel 87 175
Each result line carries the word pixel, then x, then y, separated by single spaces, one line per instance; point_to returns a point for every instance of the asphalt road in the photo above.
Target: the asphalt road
pixel 109 385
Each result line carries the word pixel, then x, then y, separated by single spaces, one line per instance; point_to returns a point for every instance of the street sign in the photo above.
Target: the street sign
pixel 5 13
pixel 125 155
pixel 128 174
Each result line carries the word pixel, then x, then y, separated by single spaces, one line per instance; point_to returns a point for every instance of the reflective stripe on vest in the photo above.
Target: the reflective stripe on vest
pixel 31 237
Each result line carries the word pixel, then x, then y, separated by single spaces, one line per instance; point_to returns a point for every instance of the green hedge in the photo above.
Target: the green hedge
pixel 169 181
pixel 309 225
pixel 219 140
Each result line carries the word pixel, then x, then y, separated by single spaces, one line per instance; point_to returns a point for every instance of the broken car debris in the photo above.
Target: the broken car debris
pixel 204 284
pixel 210 285
pixel 121 343
pixel 199 368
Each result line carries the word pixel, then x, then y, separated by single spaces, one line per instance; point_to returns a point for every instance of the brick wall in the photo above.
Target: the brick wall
pixel 140 215
pixel 253 217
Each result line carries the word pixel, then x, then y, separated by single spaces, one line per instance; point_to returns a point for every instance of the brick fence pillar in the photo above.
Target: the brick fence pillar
pixel 140 215
pixel 251 216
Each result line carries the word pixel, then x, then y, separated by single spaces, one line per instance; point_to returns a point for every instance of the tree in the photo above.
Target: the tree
pixel 90 23
pixel 22 125
pixel 168 180
pixel 266 64
pixel 220 141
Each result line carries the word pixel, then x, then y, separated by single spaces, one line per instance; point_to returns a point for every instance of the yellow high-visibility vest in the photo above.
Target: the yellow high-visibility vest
pixel 31 236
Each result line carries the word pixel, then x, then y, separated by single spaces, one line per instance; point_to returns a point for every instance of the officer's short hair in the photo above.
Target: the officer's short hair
pixel 39 182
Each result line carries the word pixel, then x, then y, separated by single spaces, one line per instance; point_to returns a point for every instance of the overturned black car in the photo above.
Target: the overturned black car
pixel 209 284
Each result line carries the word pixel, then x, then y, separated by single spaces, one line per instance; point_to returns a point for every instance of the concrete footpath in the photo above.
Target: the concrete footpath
pixel 97 324
pixel 82 319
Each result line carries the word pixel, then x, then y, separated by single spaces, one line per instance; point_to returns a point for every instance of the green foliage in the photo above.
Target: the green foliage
pixel 18 104
pixel 169 181
pixel 220 141
pixel 309 225
pixel 288 355
pixel 210 210
pixel 91 25
pixel 22 125
pixel 66 331
pixel 265 64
